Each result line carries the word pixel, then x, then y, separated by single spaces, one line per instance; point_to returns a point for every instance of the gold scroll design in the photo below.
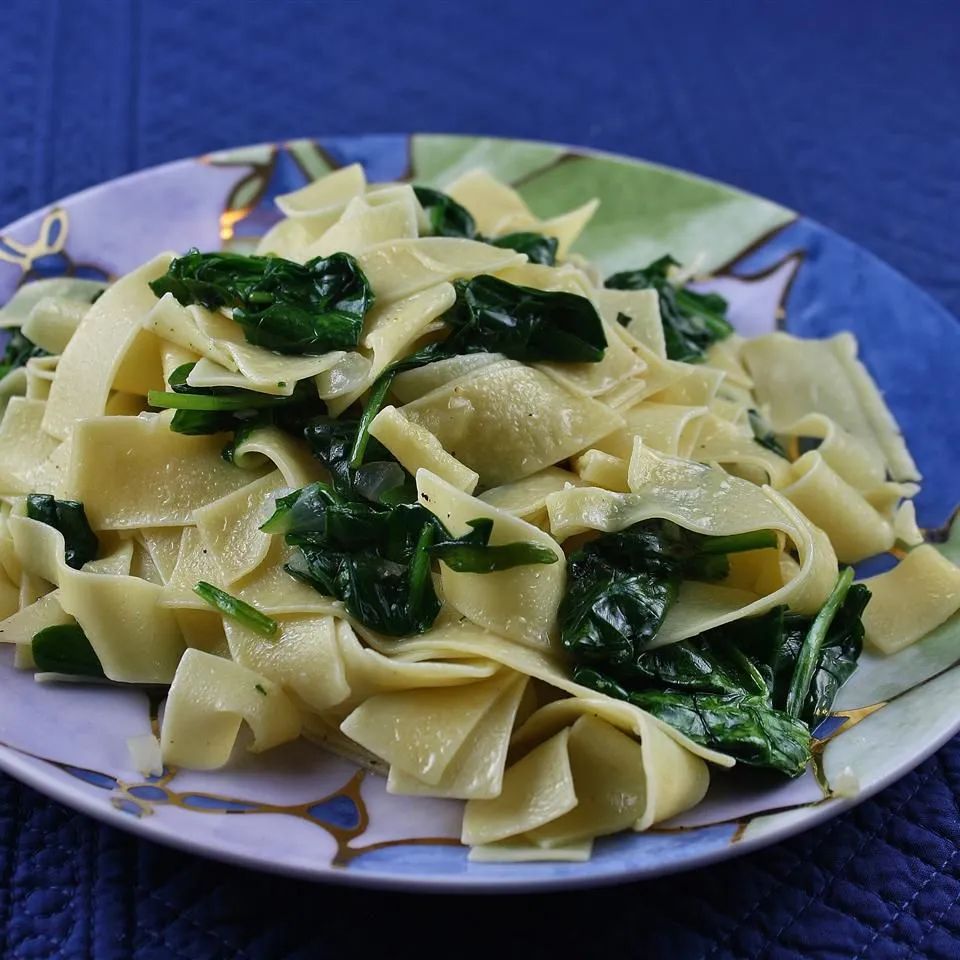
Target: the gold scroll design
pixel 50 244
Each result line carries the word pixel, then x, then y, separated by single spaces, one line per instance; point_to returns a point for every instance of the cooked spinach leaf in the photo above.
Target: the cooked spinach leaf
pixel 447 217
pixel 18 351
pixel 744 726
pixel 450 219
pixel 64 648
pixel 620 586
pixel 537 247
pixel 230 606
pixel 691 321
pixel 730 687
pixel 764 435
pixel 708 690
pixel 334 441
pixel 67 516
pixel 472 553
pixel 810 658
pixel 376 557
pixel 309 308
pixel 491 315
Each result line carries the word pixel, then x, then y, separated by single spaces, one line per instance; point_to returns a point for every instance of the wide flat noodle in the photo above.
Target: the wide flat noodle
pixel 508 421
pixel 16 311
pixel 537 789
pixel 24 447
pixel 416 448
pixel 491 202
pixel 854 527
pixel 163 545
pixel 20 626
pixel 109 337
pixel 53 321
pixel 390 333
pixel 793 378
pixel 206 373
pixel 518 850
pixel 370 672
pixel 421 731
pixel 665 427
pixel 641 308
pixel 270 446
pixel 477 768
pixel 177 325
pixel 658 774
pixel 330 191
pixel 399 268
pixel 230 526
pixel 527 498
pixel 598 469
pixel 361 225
pixel 134 637
pixel 132 472
pixel 907 602
pixel 565 277
pixel 721 442
pixel 462 638
pixel 520 603
pixel 261 367
pixel 416 383
pixel 304 659
pixel 41 372
pixel 14 384
pixel 619 363
pixel 208 701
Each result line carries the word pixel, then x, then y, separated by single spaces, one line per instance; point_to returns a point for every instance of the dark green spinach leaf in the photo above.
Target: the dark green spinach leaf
pixel 376 557
pixel 620 586
pixel 450 219
pixel 491 315
pixel 691 321
pixel 764 435
pixel 708 690
pixel 67 516
pixel 730 687
pixel 311 308
pixel 538 248
pixel 744 726
pixel 65 649
pixel 447 217
pixel 472 553
pixel 18 351
pixel 829 650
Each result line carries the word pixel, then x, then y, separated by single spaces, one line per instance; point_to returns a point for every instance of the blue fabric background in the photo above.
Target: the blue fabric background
pixel 845 111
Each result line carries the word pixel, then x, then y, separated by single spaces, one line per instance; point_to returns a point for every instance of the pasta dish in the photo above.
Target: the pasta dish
pixel 414 480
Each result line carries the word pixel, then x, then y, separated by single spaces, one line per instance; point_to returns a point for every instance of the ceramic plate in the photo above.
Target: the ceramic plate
pixel 298 810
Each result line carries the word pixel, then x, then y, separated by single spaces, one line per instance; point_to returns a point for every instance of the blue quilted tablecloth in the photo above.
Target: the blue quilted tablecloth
pixel 845 111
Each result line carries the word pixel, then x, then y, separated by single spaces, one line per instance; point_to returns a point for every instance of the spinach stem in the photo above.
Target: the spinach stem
pixel 236 609
pixel 200 401
pixel 739 542
pixel 809 655
pixel 378 394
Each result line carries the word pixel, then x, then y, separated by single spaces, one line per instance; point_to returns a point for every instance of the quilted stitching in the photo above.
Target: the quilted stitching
pixel 838 122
